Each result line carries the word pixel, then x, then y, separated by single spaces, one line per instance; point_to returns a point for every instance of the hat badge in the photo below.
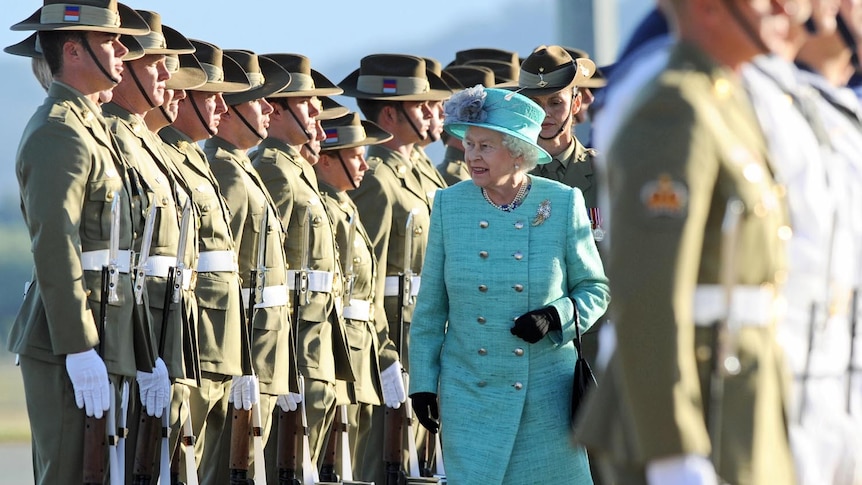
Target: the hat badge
pixel 542 83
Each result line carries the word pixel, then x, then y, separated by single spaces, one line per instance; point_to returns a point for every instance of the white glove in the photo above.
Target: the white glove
pixel 155 388
pixel 392 382
pixel 89 378
pixel 244 392
pixel 681 470
pixel 289 402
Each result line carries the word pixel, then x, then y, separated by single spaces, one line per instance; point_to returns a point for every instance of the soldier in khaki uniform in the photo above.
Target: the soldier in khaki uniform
pixel 186 73
pixel 656 418
pixel 426 170
pixel 242 127
pixel 217 286
pixel 141 90
pixel 453 168
pixel 550 77
pixel 323 355
pixel 393 91
pixel 340 169
pixel 69 173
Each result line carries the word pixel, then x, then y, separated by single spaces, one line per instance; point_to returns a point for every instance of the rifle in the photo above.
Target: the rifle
pixel 96 429
pixel 330 454
pixel 148 426
pixel 289 422
pixel 725 362
pixel 395 419
pixel 300 293
pixel 244 422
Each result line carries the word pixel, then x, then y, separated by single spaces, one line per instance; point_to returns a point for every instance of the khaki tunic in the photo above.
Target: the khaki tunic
pixel 385 198
pixel 367 354
pixel 248 201
pixel 668 201
pixel 453 168
pixel 575 168
pixel 427 173
pixel 68 170
pixel 147 158
pixel 217 293
pixel 292 183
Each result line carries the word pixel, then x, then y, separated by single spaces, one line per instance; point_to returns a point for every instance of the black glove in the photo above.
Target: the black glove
pixel 425 409
pixel 534 325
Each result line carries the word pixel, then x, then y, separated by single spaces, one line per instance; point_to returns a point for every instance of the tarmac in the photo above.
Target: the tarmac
pixel 16 464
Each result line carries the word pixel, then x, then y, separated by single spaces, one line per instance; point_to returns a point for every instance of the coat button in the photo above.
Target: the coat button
pixel 483 224
pixel 418 230
pixel 481 320
pixel 483 254
pixel 481 383
pixel 483 288
pixel 483 352
pixel 519 225
pixel 518 386
pixel 518 288
pixel 518 256
pixel 519 352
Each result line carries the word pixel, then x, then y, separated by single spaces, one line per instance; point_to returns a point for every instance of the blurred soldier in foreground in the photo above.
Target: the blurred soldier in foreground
pixel 695 390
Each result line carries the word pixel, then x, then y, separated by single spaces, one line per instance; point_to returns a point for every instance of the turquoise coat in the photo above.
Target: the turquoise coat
pixel 505 403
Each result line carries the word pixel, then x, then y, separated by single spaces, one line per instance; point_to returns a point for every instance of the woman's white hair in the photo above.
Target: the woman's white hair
pixel 520 148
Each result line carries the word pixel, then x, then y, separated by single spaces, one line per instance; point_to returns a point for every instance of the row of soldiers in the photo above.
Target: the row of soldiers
pixel 221 293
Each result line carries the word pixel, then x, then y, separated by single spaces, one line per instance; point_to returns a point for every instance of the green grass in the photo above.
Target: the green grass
pixel 14 425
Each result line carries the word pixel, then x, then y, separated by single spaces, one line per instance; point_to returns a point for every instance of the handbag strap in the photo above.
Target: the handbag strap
pixel 577 340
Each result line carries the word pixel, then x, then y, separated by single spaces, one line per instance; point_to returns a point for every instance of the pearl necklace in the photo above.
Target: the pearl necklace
pixel 517 201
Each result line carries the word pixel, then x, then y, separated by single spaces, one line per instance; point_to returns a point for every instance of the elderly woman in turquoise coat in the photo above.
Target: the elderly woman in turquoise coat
pixel 511 269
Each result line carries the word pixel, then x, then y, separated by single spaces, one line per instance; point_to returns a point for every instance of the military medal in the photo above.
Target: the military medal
pixel 596 223
pixel 543 213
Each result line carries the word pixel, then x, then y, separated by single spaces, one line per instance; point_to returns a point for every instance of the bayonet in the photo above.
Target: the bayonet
pixel 259 277
pixel 349 270
pixel 725 360
pixel 146 244
pixel 114 250
pixel 303 261
pixel 180 266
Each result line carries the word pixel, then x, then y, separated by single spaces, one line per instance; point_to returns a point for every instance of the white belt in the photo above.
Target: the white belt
pixel 391 288
pixel 94 260
pixel 320 281
pixel 358 310
pixel 217 262
pixel 749 305
pixel 160 265
pixel 272 296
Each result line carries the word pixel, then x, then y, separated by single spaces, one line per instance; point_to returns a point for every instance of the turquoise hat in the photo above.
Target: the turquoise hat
pixel 500 110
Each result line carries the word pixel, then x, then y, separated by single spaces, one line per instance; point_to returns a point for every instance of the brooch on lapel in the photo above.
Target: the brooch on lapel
pixel 543 213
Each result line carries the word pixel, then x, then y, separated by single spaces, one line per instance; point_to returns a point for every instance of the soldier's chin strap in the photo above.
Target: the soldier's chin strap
pixel 166 115
pixel 412 125
pixel 246 123
pixel 85 41
pixel 750 32
pixel 565 121
pixel 302 127
pixel 347 172
pixel 849 41
pixel 200 115
pixel 140 86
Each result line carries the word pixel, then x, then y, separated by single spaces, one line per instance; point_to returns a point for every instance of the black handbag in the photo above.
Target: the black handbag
pixel 584 379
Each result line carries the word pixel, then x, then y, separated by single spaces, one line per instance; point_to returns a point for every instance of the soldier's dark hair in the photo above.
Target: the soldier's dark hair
pixel 52 42
pixel 281 102
pixel 371 108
